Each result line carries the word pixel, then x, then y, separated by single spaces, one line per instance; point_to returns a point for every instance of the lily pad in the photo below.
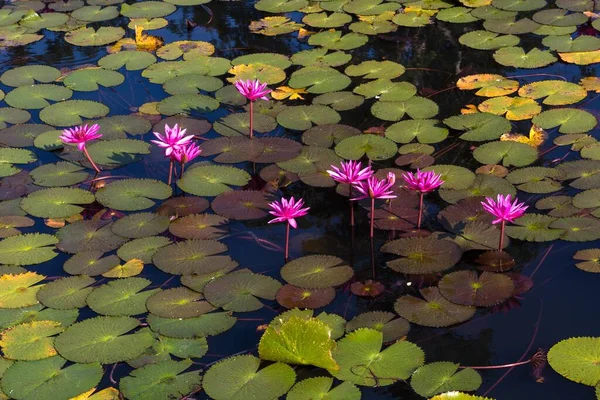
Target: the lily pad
pixel 143 249
pixel 59 174
pixel 554 92
pixel 88 235
pixel 577 359
pixel 479 127
pixel 569 120
pixel 311 388
pixel 301 118
pixel 241 205
pixel 56 202
pixel 516 57
pixel 71 112
pixel 91 37
pixel 133 194
pixel 291 296
pixel 466 288
pixel 510 153
pixel 374 147
pixel 28 249
pixel 199 226
pixel 333 40
pixel 392 327
pixel 212 180
pixel 179 302
pixel 434 310
pixel 205 325
pixel 316 272
pixel 132 60
pixel 534 228
pixel 484 40
pixel 90 263
pixel 135 226
pixel 30 341
pixel 66 293
pixel 192 257
pixel 440 377
pixel 422 255
pixel 239 291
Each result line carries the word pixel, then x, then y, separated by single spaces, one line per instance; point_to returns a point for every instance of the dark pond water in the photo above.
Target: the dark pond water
pixel 561 303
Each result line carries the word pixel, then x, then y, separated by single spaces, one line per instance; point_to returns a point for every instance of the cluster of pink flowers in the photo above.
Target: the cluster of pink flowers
pixel 422 182
pixel 178 146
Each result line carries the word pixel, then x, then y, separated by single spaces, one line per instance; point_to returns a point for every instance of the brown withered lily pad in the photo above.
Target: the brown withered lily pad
pixel 496 261
pixel 182 206
pixel 368 289
pixel 199 226
pixel 422 255
pixel 291 296
pixel 469 289
pixel 242 204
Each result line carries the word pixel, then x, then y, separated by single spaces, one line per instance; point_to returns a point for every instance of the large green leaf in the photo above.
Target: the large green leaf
pixel 577 359
pixel 440 377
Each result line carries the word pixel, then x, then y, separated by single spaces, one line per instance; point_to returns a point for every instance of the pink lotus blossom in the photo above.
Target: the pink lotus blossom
pixel 173 139
pixel 377 189
pixel 423 182
pixel 350 172
pixel 253 89
pixel 287 210
pixel 503 209
pixel 80 135
pixel 186 153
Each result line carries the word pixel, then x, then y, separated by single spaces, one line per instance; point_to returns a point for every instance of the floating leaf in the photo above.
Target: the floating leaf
pixel 316 272
pixel 422 255
pixel 102 339
pixel 333 40
pixel 88 235
pixel 66 293
pixel 362 361
pixel 204 325
pixel 466 288
pixel 554 92
pixel 192 257
pixel 121 298
pixel 484 40
pixel 56 202
pixel 578 229
pixel 30 341
pixel 239 291
pixel 510 153
pixel 319 57
pixel 577 359
pixel 569 120
pixel 479 127
pixel 141 225
pixel 212 180
pixel 28 249
pixel 59 174
pixel 312 388
pixel 70 112
pixel 90 37
pixel 416 107
pixel 434 310
pixel 590 257
pixel 132 194
pixel 132 60
pixel 291 296
pixel 147 9
pixel 374 147
pixel 392 327
pixel 238 378
pixel 489 85
pixel 439 377
pixel 199 226
pixel 132 267
pixel 241 205
pixel 515 108
pixel 301 118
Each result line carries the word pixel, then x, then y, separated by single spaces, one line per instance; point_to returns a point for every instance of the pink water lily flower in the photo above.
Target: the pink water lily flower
pixel 423 181
pixel 350 173
pixel 186 153
pixel 80 135
pixel 505 210
pixel 173 138
pixel 377 189
pixel 253 89
pixel 287 211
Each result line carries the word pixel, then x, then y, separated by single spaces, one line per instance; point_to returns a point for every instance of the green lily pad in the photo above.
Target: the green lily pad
pixel 192 257
pixel 90 263
pixel 192 84
pixel 187 103
pixel 30 341
pixel 566 44
pixel 91 37
pixel 164 380
pixel 554 92
pixel 327 135
pixel 322 20
pixel 392 327
pixel 362 362
pixel 386 90
pixel 422 255
pixel 59 174
pixel 484 40
pixel 163 71
pixel 569 120
pixel 90 79
pixel 22 135
pixel 139 225
pixel 534 228
pixel 9 225
pixel 201 226
pixel 376 70
pixel 147 9
pixel 280 6
pixel 519 5
pixel 13 116
pixel 585 173
pixel 313 388
pixel 239 291
pixel 118 152
pixel 577 359
pixel 516 57
pixel 578 229
pixel 316 272
pixel 511 26
pixel 239 378
pixel 558 17
pixel 88 235
pixel 36 312
pixel 179 302
pixel 374 147
pixel 133 194
pixel 70 112
pixel 14 35
pixel 102 339
pixel 335 41
pixel 29 75
pixel 44 21
pixel 590 259
pixel 319 80
pixel 274 59
pixel 36 96
pixel 434 310
pixel 10 156
pixel 49 140
pixel 302 118
pixel 212 180
pixel 424 130
pixel 19 290
pixel 132 60
pixel 457 15
pixel 66 293
pixel 56 202
pixel 47 379
pixel 412 19
pixel 440 377
pixel 340 101
pixel 454 176
pixel 205 325
pixel 320 57
pixel 311 159
pixel 143 249
pixel 509 152
pixel 535 179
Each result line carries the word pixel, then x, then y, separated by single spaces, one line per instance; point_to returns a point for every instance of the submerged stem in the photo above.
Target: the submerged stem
pixel 89 158
pixel 515 364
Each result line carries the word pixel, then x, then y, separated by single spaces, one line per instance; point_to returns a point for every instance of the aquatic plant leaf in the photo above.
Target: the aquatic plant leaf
pixel 192 84
pixel 510 153
pixel 416 107
pixel 534 228
pixel 476 235
pixel 319 57
pixel 192 257
pixel 237 125
pixel 466 288
pixel 374 147
pixel 238 377
pixel 239 291
pixel 22 135
pixel 375 70
pixel 515 108
pixel 422 255
pixel 554 92
pixel 174 50
pixel 588 199
pixel 565 44
pixel 95 13
pixel 132 267
pixel 88 235
pixel 139 225
pixel 205 325
pixel 559 206
pixel 578 229
pixel 10 115
pixel 316 272
pixel 14 35
pixel 199 226
pixel 18 290
pixel 333 40
pixel 488 85
pixel 454 176
pixel 319 80
pixel 511 26
pixel 439 377
pixel 66 293
pixel 90 263
pixel 133 194
pixel 59 174
pixel 389 324
pixel 90 37
pixel 147 9
pixel 47 379
pixel 386 90
pixel 44 21
pixel 433 310
pixel 161 381
pixel 280 6
pixel 312 388
pixel 102 339
pixel 581 57
pixel 584 173
pixel 424 130
pixel 182 206
pixel 197 282
pixel 479 127
pixel 577 359
pixel 28 249
pixel 48 140
pixel 16 316
pixel 340 101
pixel 362 361
pixel 240 205
pixel 516 57
pixel 302 118
pixel 590 257
pixel 569 120
pixel 212 180
pixel 36 96
pixel 123 297
pixel 411 19
pixel 132 60
pixel 518 5
pixel 274 59
pixel 70 112
pixel 30 341
pixel 311 159
pixel 187 103
pixel 163 71
pixel 56 202
pixel 458 396
pixel 484 40
pixel 327 135
pixel 9 225
pixel 535 179
pixel 291 296
pixel 457 15
pixel 10 156
pixel 179 302
pixel 558 17
pixel 273 26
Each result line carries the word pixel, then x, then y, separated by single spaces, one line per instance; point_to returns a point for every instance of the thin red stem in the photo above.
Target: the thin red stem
pixel 287 241
pixel 501 246
pixel 252 118
pixel 87 155
pixel 420 210
pixel 170 172
pixel 372 214
pixel 511 365
pixel 351 205
pixel 182 170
